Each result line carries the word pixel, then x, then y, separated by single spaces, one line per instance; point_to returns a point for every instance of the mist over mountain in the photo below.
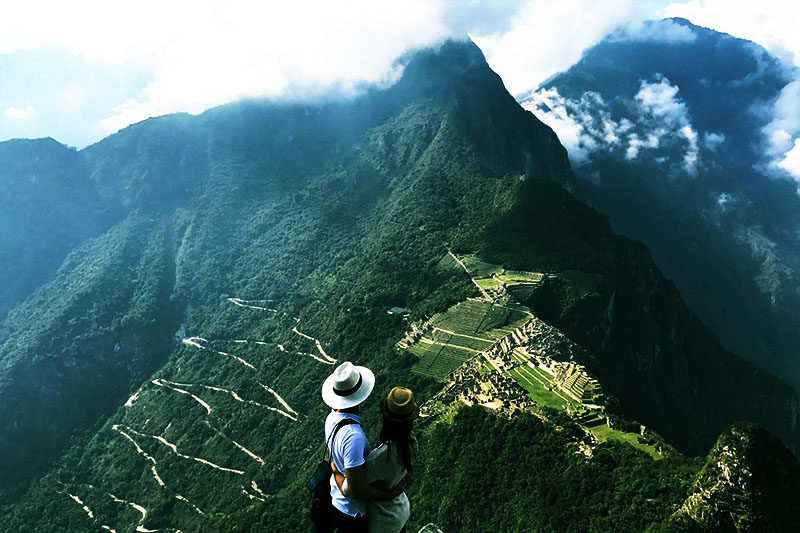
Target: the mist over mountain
pixel 673 131
pixel 167 375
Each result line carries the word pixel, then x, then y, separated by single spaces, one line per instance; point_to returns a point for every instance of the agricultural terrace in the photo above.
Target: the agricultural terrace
pixel 510 277
pixel 541 389
pixel 604 433
pixel 489 276
pixel 479 269
pixel 458 334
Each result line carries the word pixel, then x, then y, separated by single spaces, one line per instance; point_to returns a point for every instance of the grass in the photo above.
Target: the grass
pixel 537 390
pixel 488 283
pixel 467 328
pixel 604 433
pixel 484 367
pixel 517 276
pixel 476 324
pixel 533 380
pixel 478 268
pixel 473 343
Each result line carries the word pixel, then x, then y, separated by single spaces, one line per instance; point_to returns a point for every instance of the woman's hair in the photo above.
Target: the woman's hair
pixel 399 433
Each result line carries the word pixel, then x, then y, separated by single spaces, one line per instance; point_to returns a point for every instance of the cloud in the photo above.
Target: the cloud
pixel 663 31
pixel 635 144
pixel 770 23
pixel 657 121
pixel 724 199
pixel 782 134
pixel 14 112
pixel 791 161
pixel 570 121
pixel 547 37
pixel 658 98
pixel 712 140
pixel 195 54
pixel 773 25
pixel 202 53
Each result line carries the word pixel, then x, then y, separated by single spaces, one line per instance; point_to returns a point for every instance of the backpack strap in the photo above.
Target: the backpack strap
pixel 339 425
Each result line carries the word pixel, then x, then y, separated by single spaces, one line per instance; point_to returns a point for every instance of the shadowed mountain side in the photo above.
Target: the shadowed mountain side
pixel 77 345
pixel 750 482
pixel 674 149
pixel 47 207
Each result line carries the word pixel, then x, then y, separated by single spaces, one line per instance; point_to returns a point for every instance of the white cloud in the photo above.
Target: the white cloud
pixel 689 133
pixel 773 25
pixel 659 121
pixel 724 199
pixel 548 37
pixel 201 53
pixel 659 99
pixel 791 162
pixel 571 125
pixel 770 23
pixel 692 155
pixel 713 140
pixel 783 131
pixel 664 31
pixel 609 132
pixel 15 112
pixel 635 143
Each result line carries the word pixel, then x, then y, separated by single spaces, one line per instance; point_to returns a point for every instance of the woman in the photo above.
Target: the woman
pixel 387 465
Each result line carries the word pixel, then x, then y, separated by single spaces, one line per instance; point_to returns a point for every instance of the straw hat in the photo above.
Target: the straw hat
pixel 399 405
pixel 348 386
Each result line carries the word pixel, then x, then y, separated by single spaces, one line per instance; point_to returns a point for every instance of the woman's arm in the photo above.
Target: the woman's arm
pixel 354 485
pixel 341 481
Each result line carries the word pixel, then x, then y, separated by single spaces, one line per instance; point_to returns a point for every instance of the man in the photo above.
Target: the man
pixel 344 391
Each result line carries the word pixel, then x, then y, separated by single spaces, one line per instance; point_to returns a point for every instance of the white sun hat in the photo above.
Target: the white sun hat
pixel 348 386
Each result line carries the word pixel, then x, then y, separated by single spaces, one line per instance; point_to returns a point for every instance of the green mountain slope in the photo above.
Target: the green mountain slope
pixel 264 243
pixel 47 207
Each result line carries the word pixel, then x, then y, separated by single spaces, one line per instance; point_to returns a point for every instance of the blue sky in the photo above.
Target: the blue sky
pixel 78 71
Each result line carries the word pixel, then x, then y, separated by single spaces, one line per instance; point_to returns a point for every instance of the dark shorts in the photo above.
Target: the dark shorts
pixel 348 524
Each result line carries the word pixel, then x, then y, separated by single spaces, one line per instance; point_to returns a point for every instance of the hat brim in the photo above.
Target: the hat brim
pixel 344 402
pixel 410 417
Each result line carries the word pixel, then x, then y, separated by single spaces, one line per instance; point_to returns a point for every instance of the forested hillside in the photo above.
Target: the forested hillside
pixel 47 207
pixel 169 376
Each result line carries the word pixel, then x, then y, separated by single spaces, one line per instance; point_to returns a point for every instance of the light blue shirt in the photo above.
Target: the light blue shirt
pixel 349 449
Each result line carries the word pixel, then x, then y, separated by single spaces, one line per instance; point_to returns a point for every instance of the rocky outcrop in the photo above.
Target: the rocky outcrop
pixel 750 483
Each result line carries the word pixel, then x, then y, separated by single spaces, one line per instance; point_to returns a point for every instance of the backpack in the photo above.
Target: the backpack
pixel 320 490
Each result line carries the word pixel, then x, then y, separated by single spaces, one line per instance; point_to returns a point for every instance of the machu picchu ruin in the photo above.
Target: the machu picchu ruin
pixel 493 351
